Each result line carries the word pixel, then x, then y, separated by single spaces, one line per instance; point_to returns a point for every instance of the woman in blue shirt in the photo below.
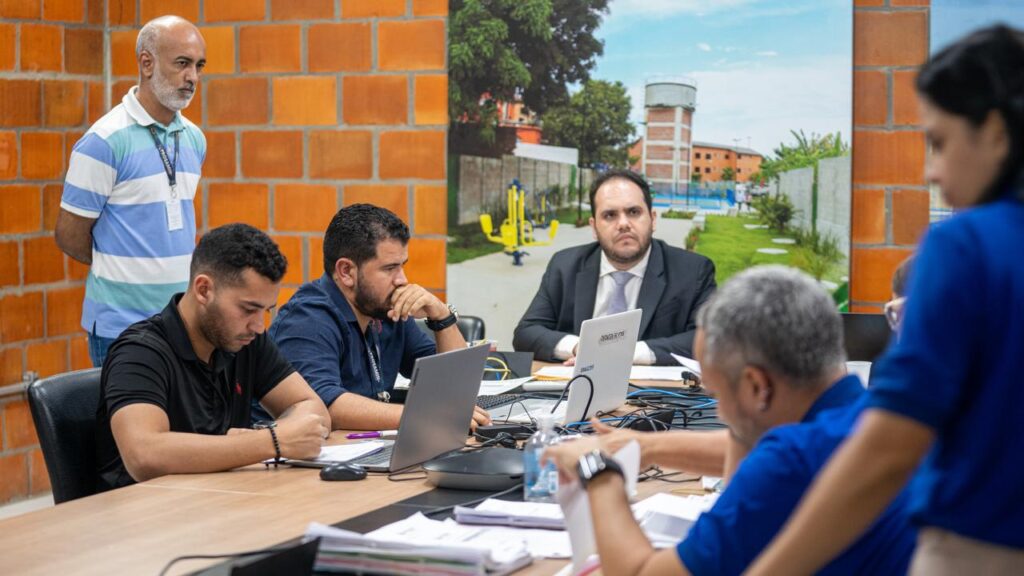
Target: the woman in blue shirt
pixel 949 394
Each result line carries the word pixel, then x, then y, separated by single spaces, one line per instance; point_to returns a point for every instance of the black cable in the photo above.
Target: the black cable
pixel 242 554
pixel 513 405
pixel 440 509
pixel 565 392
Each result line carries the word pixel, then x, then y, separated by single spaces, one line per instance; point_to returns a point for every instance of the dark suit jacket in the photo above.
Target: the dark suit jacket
pixel 675 284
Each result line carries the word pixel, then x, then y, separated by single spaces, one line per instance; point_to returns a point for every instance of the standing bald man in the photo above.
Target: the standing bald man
pixel 127 208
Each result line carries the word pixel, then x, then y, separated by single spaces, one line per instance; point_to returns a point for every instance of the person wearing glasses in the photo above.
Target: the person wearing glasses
pixel 946 400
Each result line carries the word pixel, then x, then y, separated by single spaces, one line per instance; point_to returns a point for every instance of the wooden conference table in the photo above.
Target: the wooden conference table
pixel 138 529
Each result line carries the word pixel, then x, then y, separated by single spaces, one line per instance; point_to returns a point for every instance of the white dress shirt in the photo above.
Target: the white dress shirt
pixel 605 285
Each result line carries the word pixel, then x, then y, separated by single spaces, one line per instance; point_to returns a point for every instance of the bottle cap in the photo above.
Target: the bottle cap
pixel 546 421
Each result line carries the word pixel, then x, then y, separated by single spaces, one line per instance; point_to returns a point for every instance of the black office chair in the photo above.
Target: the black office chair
pixel 64 411
pixel 472 327
pixel 866 336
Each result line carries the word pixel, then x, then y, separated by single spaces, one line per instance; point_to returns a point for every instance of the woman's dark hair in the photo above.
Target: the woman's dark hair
pixel 355 232
pixel 225 252
pixel 901 277
pixel 625 175
pixel 981 73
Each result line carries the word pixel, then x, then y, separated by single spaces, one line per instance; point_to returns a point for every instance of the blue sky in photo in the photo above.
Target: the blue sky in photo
pixel 952 19
pixel 762 67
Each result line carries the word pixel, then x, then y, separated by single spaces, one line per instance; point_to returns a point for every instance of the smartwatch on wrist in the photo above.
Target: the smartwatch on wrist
pixel 592 464
pixel 438 325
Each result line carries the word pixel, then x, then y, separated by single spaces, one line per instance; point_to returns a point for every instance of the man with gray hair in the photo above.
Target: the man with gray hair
pixel 771 352
pixel 127 208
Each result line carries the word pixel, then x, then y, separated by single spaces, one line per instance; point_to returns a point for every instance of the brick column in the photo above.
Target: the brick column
pixel 889 209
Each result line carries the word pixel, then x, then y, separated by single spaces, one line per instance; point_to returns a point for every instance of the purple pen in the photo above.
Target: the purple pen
pixel 374 434
pixel 358 435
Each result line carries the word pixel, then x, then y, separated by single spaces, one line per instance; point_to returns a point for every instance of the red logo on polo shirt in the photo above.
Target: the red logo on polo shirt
pixel 238 388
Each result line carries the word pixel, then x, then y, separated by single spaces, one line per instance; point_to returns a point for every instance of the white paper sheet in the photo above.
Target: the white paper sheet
pixel 491 387
pixel 687 507
pixel 576 506
pixel 662 373
pixel 351 451
pixel 688 363
pixel 398 546
pixel 515 514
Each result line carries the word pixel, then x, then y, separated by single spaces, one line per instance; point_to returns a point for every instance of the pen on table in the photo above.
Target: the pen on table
pixel 374 434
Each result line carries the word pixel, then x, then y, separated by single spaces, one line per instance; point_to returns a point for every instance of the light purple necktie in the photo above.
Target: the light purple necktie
pixel 617 303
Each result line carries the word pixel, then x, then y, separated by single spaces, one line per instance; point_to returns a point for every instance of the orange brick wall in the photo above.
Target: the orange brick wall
pixel 307 105
pixel 890 198
pixel 51 89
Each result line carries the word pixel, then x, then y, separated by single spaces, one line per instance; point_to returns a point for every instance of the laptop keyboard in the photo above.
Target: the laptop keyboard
pixel 379 458
pixel 489 401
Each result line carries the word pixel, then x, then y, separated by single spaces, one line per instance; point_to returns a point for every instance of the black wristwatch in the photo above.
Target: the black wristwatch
pixel 438 325
pixel 594 463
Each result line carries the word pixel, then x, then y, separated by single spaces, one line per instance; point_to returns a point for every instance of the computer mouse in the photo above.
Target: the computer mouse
pixel 342 471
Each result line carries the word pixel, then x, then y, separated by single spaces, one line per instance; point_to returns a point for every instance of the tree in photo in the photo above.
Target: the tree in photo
pixel 807 151
pixel 595 121
pixel 501 50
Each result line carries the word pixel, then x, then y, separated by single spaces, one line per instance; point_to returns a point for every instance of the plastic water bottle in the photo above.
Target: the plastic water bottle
pixel 541 481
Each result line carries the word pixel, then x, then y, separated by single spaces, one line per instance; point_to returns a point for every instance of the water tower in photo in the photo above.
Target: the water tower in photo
pixel 669 104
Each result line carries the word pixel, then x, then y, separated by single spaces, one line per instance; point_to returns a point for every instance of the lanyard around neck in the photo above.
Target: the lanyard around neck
pixel 170 168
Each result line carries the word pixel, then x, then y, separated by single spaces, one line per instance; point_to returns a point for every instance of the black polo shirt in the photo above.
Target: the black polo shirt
pixel 153 362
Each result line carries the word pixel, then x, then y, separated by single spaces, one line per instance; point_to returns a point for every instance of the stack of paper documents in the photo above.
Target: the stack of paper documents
pixel 343 453
pixel 419 545
pixel 520 514
pixel 666 519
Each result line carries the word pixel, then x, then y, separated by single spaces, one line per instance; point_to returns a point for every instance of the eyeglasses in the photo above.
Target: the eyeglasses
pixel 894 312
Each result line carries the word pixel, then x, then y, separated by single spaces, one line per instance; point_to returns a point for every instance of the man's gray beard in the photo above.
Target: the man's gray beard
pixel 167 94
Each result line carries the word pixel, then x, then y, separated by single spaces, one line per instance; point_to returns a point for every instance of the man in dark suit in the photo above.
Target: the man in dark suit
pixel 623 270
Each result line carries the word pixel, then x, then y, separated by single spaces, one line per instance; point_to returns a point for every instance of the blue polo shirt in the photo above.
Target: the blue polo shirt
pixel 318 333
pixel 958 368
pixel 769 484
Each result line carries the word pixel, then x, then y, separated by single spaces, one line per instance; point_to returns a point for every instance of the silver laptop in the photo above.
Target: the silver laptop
pixel 438 408
pixel 605 355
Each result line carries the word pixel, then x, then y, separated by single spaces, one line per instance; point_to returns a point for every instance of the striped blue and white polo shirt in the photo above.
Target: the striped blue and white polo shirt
pixel 116 176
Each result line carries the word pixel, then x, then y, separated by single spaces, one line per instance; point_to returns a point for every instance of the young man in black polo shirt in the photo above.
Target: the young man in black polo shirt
pixel 177 388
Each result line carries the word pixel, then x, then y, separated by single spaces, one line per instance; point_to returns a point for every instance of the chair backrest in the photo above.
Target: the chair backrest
pixel 472 328
pixel 865 336
pixel 64 410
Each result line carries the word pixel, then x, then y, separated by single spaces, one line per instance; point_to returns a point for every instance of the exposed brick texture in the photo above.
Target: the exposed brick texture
pixel 305 101
pixel 376 99
pixel 890 207
pixel 274 154
pixel 394 198
pixel 341 47
pixel 411 45
pixel 431 99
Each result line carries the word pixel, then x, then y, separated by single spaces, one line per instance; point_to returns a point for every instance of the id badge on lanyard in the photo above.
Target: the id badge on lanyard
pixel 375 375
pixel 175 219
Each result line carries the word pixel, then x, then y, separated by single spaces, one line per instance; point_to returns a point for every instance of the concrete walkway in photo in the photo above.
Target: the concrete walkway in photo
pixel 492 288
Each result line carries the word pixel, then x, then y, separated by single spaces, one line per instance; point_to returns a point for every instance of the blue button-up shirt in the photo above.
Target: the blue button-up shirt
pixel 958 368
pixel 318 333
pixel 769 484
